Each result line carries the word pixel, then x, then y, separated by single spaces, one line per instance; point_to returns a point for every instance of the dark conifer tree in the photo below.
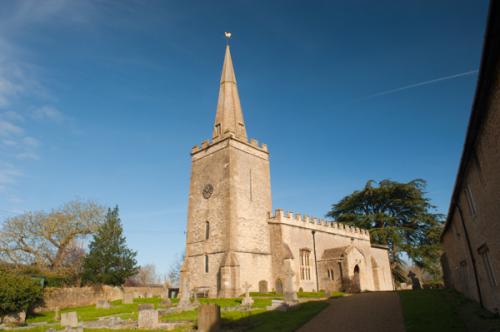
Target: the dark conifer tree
pixel 109 261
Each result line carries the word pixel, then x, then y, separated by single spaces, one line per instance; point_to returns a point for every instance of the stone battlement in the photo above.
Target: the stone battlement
pixel 305 221
pixel 209 142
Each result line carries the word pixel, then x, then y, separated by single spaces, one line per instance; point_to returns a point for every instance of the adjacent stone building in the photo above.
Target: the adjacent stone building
pixel 471 237
pixel 233 237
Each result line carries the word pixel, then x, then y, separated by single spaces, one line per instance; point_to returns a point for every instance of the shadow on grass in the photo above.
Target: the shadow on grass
pixel 444 310
pixel 272 320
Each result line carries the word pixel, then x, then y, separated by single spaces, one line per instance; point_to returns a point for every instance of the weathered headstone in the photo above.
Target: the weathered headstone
pixel 290 293
pixel 102 304
pixel 69 319
pixel 148 319
pixel 195 302
pixel 146 306
pixel 128 298
pixel 57 314
pixel 185 300
pixel 209 318
pixel 415 282
pixel 247 300
pixel 166 302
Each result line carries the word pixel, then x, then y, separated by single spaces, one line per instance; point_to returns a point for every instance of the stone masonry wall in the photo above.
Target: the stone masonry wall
pixel 80 296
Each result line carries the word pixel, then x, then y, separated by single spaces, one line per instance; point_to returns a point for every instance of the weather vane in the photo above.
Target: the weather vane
pixel 228 35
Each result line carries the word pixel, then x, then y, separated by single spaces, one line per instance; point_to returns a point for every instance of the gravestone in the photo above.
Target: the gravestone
pixel 209 318
pixel 247 300
pixel 185 300
pixel 415 282
pixel 128 298
pixel 262 286
pixel 166 302
pixel 290 293
pixel 57 314
pixel 102 304
pixel 146 306
pixel 148 319
pixel 69 319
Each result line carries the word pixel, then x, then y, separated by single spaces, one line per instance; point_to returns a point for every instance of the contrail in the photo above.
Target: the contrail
pixel 411 86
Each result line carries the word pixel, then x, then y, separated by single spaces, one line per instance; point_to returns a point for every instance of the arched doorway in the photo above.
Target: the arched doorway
pixel 356 286
pixel 279 286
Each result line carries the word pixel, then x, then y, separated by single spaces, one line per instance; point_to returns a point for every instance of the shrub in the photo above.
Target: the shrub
pixel 18 293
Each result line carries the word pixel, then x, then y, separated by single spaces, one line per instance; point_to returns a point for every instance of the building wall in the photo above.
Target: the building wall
pixel 296 232
pixel 236 212
pixel 480 175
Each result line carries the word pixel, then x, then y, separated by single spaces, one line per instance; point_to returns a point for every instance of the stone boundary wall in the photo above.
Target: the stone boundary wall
pixel 321 225
pixel 80 296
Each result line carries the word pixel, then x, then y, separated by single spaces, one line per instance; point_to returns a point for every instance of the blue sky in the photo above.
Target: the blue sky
pixel 103 100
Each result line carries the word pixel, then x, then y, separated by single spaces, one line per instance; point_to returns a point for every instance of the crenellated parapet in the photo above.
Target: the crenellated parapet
pixel 210 142
pixel 317 224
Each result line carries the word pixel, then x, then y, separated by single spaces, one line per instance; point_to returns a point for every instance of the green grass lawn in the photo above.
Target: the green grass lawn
pixel 267 321
pixel 442 310
pixel 257 319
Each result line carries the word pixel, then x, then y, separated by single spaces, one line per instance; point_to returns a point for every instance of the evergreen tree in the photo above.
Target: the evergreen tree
pixel 397 215
pixel 109 261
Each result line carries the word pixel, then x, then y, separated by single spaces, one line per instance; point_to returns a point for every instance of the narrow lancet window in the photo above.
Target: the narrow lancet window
pixel 206 263
pixel 207 230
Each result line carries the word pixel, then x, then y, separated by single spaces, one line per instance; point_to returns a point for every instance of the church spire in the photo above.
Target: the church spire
pixel 229 116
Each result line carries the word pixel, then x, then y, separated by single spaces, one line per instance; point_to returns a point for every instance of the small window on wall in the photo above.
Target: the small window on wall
pixel 470 201
pixel 217 130
pixel 484 252
pixel 305 266
pixel 330 274
pixel 207 230
pixel 206 263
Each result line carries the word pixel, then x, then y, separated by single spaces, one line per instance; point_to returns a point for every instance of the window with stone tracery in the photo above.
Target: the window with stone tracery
pixel 305 265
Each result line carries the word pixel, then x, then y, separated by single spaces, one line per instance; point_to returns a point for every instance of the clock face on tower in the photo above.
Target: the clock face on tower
pixel 207 191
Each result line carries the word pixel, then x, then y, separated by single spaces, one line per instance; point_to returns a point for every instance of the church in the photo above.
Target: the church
pixel 234 238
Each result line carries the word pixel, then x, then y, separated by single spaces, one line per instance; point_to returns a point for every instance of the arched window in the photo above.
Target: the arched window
pixel 330 274
pixel 305 265
pixel 206 263
pixel 207 230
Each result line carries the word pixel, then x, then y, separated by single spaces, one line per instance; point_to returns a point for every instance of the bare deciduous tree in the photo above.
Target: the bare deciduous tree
pixel 173 275
pixel 48 239
pixel 145 276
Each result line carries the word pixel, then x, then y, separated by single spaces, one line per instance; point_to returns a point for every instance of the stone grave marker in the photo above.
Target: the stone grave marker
pixel 57 314
pixel 146 306
pixel 128 298
pixel 148 319
pixel 102 304
pixel 247 300
pixel 209 318
pixel 69 319
pixel 290 293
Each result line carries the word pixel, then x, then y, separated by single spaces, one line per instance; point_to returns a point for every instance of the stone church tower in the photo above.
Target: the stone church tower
pixel 229 201
pixel 234 238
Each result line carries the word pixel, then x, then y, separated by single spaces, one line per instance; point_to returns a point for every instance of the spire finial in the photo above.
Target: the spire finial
pixel 228 36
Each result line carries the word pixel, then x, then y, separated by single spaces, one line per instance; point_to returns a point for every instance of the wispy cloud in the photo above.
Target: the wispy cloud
pixel 48 113
pixel 8 128
pixel 27 156
pixel 419 84
pixel 8 175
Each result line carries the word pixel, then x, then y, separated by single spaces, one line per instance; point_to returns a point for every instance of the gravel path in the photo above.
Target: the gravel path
pixel 366 312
